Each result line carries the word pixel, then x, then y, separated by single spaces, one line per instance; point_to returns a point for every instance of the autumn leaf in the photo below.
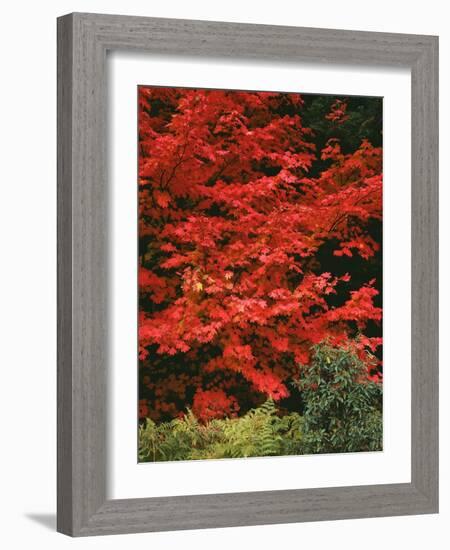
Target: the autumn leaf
pixel 260 222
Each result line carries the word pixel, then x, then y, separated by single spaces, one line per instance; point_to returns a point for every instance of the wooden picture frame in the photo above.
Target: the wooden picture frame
pixel 83 41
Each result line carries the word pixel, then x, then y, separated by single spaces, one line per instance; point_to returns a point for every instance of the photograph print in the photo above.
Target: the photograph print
pixel 260 274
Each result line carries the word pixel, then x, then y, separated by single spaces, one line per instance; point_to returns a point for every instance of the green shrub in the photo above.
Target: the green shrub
pixel 342 409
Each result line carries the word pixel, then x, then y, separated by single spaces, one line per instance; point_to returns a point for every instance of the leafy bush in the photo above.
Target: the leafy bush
pixel 342 408
pixel 260 432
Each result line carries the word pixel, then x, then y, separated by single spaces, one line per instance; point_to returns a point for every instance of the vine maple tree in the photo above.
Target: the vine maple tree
pixel 249 231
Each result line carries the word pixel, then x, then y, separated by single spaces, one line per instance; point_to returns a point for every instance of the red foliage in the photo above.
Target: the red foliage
pixel 338 112
pixel 214 404
pixel 230 224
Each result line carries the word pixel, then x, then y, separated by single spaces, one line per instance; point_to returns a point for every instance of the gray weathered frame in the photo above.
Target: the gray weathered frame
pixel 83 40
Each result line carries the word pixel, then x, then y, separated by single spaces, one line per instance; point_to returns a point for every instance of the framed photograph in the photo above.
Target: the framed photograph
pixel 247 274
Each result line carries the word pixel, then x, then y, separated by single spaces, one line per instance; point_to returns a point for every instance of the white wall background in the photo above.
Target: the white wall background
pixel 28 272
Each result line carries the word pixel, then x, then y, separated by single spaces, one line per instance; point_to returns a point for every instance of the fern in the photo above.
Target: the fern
pixel 261 432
